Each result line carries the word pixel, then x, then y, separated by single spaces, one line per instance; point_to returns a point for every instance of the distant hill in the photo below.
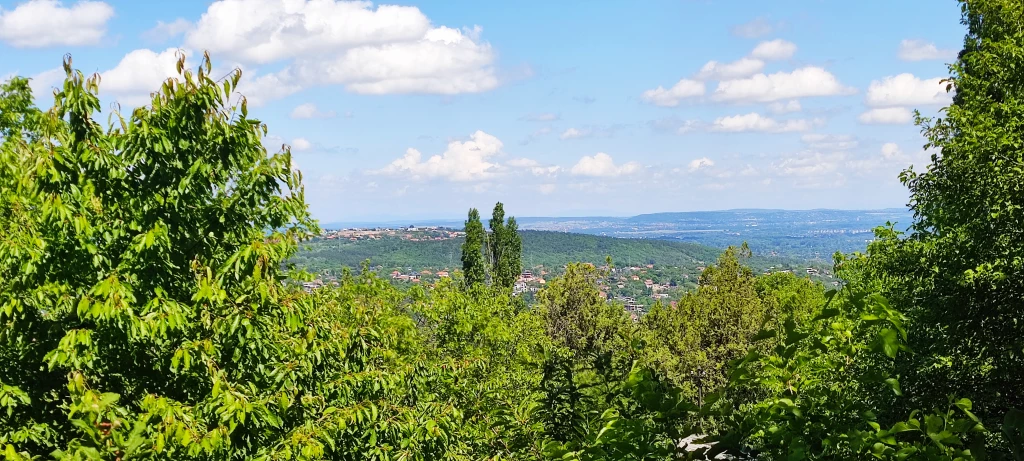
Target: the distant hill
pixel 800 234
pixel 550 249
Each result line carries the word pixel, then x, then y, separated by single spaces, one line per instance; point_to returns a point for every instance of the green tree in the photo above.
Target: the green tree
pixel 473 267
pixel 959 271
pixel 144 312
pixel 504 248
pixel 694 342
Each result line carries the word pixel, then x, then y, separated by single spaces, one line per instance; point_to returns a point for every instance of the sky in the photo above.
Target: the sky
pixel 417 110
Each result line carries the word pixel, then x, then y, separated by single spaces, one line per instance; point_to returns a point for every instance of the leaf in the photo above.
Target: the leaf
pixel 895 385
pixel 827 314
pixel 764 334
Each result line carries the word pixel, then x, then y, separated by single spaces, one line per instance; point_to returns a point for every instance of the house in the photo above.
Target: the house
pixel 442 274
pixel 636 277
pixel 648 283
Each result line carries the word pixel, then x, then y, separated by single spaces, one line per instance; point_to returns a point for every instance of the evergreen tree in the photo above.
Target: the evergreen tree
pixel 514 253
pixel 504 248
pixel 472 250
pixel 495 243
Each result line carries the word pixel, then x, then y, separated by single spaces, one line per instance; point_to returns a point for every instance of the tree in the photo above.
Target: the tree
pixel 504 248
pixel 145 312
pixel 693 343
pixel 473 267
pixel 959 271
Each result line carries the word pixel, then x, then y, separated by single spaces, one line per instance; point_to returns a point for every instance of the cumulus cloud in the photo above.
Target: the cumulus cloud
pixel 309 110
pixel 785 107
pixel 891 151
pixel 164 31
pixel 469 160
pixel 759 123
pixel 700 164
pixel 299 144
pixel 445 61
pixel 43 83
pixel 829 141
pixel 385 49
pixel 743 67
pixel 907 90
pixel 887 116
pixel 804 82
pixel 602 165
pixel 684 88
pixel 920 50
pixel 274 30
pixel 138 74
pixel 45 23
pixel 774 50
pixel 758 27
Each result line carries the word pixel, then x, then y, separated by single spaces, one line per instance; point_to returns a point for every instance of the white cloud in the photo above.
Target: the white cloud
pixel 445 61
pixel 461 161
pixel 264 88
pixel 164 31
pixel 369 50
pixel 809 164
pixel 589 132
pixel 300 144
pixel 544 117
pixel 891 151
pixel 774 50
pixel 700 163
pixel 602 165
pixel 140 73
pixel 887 116
pixel 743 67
pixel 573 133
pixel 546 188
pixel 758 27
pixel 800 83
pixel 522 163
pixel 534 167
pixel 309 110
pixel 829 141
pixel 264 31
pixel 44 23
pixel 785 107
pixel 920 50
pixel 756 122
pixel 43 83
pixel 907 90
pixel 671 97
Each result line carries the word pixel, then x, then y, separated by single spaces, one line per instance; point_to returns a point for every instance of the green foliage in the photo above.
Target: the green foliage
pixel 473 267
pixel 693 342
pixel 504 249
pixel 959 271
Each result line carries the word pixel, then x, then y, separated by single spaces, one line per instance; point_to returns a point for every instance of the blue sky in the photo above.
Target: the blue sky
pixel 423 109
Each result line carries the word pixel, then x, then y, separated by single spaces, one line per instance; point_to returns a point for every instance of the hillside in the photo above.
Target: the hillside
pixel 540 248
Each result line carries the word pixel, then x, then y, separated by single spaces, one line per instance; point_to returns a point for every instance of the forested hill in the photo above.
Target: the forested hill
pixel 546 248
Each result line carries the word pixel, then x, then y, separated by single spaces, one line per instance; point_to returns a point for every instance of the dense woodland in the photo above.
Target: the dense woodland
pixel 146 310
pixel 540 248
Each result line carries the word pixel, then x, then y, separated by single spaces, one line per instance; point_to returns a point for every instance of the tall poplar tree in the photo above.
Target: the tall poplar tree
pixel 504 248
pixel 472 250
